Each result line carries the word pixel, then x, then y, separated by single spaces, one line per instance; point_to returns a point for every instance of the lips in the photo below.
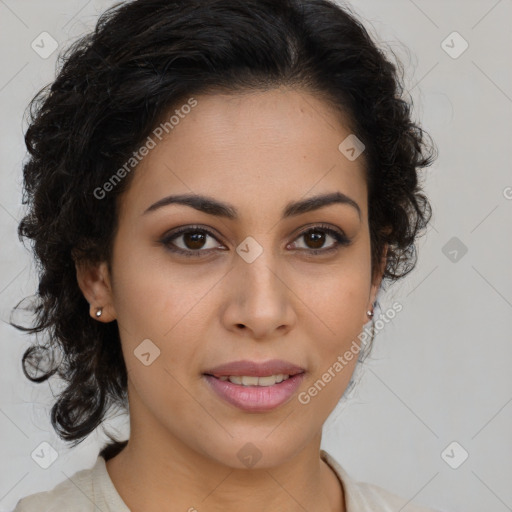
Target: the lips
pixel 255 369
pixel 255 399
pixel 254 386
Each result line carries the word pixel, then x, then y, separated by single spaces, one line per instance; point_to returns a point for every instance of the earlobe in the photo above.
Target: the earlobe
pixel 376 283
pixel 94 282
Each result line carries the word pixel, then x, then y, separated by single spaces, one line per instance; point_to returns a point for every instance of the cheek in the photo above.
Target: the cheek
pixel 150 295
pixel 338 298
pixel 340 315
pixel 334 337
pixel 337 303
pixel 158 317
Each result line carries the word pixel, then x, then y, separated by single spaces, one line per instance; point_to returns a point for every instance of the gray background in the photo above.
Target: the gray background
pixel 440 372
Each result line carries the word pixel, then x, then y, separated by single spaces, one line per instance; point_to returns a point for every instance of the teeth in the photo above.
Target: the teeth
pixel 255 381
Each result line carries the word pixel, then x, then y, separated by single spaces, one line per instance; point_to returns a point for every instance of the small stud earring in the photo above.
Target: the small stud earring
pixel 370 313
pixel 98 312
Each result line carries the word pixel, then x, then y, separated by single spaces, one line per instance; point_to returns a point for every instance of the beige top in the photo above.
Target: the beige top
pixel 92 490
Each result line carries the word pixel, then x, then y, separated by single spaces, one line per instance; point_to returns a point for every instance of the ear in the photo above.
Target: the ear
pixel 95 282
pixel 377 279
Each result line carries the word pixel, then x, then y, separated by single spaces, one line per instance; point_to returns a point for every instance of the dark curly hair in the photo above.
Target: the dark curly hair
pixel 117 83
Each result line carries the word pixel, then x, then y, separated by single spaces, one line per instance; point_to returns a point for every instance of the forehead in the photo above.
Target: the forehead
pixel 257 149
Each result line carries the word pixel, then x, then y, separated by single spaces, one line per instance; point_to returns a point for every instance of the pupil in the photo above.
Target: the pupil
pixel 191 240
pixel 318 239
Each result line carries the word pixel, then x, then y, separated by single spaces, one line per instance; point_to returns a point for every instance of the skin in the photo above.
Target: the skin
pixel 256 151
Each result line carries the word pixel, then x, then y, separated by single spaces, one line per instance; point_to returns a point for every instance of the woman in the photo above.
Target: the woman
pixel 218 191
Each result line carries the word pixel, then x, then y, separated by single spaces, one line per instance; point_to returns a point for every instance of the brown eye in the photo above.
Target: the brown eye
pixel 194 241
pixel 315 238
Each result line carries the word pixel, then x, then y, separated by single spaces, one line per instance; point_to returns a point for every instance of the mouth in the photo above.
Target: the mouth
pixel 263 369
pixel 250 380
pixel 255 387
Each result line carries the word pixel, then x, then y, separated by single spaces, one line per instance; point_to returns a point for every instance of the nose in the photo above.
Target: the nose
pixel 260 298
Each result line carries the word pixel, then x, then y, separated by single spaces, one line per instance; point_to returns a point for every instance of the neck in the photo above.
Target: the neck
pixel 155 472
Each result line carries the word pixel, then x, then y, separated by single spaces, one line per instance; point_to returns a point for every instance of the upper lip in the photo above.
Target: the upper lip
pixel 255 369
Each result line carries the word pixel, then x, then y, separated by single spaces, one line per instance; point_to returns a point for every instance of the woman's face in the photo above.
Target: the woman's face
pixel 243 287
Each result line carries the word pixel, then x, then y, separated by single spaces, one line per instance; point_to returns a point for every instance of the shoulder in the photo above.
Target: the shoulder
pixel 366 497
pixel 75 493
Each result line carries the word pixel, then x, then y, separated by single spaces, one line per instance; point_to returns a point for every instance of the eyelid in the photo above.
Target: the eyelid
pixel 176 233
pixel 341 240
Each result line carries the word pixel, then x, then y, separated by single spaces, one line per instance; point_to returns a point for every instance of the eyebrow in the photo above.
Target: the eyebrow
pixel 212 206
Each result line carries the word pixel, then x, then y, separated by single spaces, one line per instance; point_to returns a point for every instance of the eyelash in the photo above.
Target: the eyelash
pixel 341 240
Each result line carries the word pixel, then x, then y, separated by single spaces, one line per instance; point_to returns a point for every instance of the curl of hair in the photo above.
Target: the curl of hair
pixel 116 84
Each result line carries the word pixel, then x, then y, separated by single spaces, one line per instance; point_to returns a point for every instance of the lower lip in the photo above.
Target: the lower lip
pixel 255 398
